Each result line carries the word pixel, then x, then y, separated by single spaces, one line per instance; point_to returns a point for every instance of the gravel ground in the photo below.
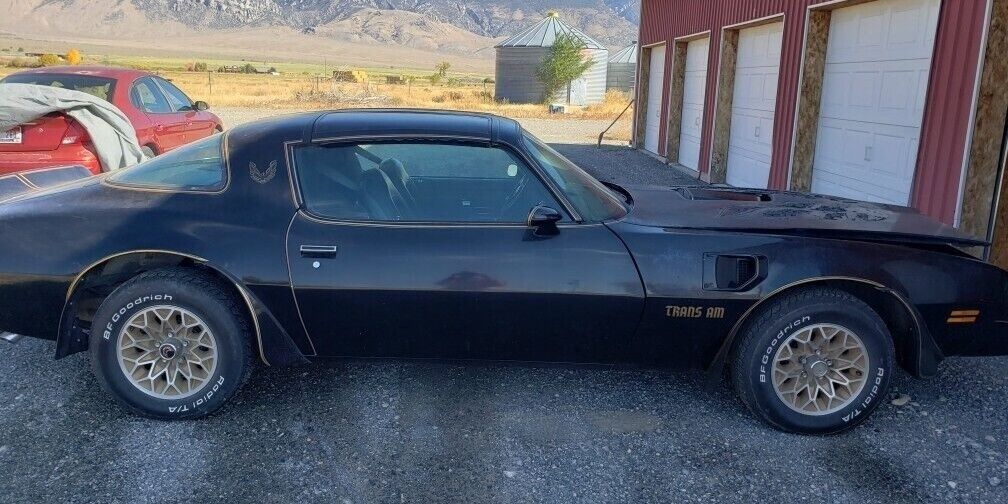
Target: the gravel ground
pixel 360 432
pixel 424 432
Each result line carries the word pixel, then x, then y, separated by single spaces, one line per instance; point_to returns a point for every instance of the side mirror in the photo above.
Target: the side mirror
pixel 201 106
pixel 543 220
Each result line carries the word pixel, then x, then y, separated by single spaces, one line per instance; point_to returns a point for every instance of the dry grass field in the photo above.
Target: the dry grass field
pixel 306 90
pixel 285 92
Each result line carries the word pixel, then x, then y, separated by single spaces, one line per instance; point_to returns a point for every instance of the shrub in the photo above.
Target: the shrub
pixel 49 60
pixel 563 64
pixel 450 96
pixel 199 66
pixel 23 63
pixel 73 57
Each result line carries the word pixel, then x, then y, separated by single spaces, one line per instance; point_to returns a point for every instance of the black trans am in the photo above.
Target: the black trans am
pixel 411 234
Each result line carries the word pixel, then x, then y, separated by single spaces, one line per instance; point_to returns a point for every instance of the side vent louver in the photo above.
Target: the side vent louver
pixel 732 272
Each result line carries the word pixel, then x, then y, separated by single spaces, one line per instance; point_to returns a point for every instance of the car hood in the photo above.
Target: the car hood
pixel 782 212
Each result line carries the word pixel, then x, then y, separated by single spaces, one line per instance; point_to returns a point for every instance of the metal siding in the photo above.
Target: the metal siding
pixel 949 99
pixel 949 107
pixel 515 78
pixel 596 75
pixel 621 76
pixel 516 81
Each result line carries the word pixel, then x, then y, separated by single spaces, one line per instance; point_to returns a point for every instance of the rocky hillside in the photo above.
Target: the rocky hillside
pixel 612 21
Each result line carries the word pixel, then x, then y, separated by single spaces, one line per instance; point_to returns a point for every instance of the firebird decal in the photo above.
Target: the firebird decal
pixel 263 176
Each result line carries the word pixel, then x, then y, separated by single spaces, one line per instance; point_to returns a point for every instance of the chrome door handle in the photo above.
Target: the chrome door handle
pixel 319 251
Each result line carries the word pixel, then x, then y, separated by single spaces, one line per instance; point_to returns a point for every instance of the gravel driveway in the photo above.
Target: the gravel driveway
pixel 424 432
pixel 379 431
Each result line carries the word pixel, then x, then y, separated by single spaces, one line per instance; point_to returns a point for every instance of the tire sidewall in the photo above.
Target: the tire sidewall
pixel 859 319
pixel 126 302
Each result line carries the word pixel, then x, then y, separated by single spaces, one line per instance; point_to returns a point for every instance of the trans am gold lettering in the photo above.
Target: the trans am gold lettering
pixel 711 312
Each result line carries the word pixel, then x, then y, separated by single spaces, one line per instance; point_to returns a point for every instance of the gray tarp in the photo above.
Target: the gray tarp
pixel 111 132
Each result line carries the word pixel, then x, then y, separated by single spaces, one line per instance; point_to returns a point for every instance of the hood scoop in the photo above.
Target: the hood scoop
pixel 708 194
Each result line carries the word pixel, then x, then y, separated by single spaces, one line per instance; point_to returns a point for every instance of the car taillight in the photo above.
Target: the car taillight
pixel 75 134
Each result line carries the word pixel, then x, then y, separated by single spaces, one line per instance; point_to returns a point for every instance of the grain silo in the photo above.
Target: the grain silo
pixel 519 57
pixel 623 68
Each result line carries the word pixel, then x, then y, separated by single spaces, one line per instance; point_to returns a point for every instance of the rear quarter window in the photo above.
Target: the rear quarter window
pixel 99 87
pixel 198 166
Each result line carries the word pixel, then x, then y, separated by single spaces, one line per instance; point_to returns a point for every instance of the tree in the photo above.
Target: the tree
pixel 442 68
pixel 73 57
pixel 563 64
pixel 440 71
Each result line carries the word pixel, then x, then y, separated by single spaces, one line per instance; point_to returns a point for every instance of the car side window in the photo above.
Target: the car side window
pixel 198 166
pixel 148 97
pixel 178 100
pixel 418 181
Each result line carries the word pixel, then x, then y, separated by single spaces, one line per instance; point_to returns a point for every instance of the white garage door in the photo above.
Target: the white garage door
pixel 753 102
pixel 656 86
pixel 877 66
pixel 694 87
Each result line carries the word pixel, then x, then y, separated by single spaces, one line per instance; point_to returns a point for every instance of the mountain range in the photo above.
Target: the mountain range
pixel 464 29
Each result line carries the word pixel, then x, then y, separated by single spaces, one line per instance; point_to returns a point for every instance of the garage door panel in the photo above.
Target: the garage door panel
pixel 900 29
pixel 871 159
pixel 850 183
pixel 754 100
pixel 694 94
pixel 748 172
pixel 693 88
pixel 656 87
pixel 889 155
pixel 894 95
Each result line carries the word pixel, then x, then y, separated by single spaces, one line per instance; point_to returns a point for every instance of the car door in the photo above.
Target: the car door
pixel 421 249
pixel 168 124
pixel 197 124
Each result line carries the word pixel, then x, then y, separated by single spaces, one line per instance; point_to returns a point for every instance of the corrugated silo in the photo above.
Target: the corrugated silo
pixel 623 68
pixel 519 57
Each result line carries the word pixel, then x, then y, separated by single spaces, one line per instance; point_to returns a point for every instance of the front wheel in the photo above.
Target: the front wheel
pixel 171 344
pixel 817 361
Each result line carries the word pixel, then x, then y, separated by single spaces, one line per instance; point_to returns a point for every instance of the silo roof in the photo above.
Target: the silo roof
pixel 626 55
pixel 545 33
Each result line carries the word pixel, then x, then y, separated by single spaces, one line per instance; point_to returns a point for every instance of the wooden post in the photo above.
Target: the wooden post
pixel 209 79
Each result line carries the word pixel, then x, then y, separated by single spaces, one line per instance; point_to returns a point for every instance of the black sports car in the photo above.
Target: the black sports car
pixel 413 234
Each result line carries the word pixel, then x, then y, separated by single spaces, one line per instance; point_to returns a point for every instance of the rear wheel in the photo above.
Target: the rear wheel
pixel 171 344
pixel 148 152
pixel 816 361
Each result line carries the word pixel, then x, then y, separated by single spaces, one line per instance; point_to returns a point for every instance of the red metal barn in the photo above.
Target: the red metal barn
pixel 895 101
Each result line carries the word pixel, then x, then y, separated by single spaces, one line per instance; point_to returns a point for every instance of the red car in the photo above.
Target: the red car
pixel 163 116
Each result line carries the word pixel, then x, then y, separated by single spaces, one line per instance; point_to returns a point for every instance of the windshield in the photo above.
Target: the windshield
pixel 95 86
pixel 592 199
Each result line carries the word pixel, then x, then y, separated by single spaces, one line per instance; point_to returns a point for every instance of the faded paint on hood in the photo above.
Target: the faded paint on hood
pixel 782 212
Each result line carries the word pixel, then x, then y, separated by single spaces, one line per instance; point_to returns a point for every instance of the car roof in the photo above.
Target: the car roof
pixel 116 73
pixel 355 123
